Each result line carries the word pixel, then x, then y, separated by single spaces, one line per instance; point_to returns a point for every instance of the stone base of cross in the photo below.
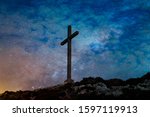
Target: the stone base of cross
pixel 68 81
pixel 68 40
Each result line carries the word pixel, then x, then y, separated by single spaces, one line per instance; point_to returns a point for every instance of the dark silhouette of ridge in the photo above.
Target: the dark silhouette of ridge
pixel 89 88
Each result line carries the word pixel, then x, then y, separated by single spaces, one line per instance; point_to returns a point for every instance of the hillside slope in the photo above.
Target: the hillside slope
pixel 88 88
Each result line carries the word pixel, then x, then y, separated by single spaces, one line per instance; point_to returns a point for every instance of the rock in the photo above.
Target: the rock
pixel 146 76
pixel 117 92
pixel 101 88
pixel 84 91
pixel 144 86
pixel 115 82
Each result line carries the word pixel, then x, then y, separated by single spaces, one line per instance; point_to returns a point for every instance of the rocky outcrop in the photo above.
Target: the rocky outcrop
pixel 89 88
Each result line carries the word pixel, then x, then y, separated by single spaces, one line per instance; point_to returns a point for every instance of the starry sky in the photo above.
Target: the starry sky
pixel 113 42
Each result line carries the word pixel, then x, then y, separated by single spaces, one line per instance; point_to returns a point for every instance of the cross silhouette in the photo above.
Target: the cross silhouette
pixel 68 40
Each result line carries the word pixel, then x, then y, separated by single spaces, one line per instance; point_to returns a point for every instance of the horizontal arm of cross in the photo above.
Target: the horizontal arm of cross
pixel 70 37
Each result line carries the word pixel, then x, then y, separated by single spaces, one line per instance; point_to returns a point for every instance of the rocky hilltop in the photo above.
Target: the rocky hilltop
pixel 88 88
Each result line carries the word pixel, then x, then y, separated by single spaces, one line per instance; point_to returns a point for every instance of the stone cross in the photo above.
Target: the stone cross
pixel 68 40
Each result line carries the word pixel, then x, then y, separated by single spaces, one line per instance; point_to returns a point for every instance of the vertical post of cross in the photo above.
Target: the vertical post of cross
pixel 69 66
pixel 69 52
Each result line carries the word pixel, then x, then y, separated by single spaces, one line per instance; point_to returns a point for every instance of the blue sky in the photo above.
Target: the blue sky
pixel 113 42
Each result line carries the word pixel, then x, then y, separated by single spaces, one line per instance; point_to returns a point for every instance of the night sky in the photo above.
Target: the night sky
pixel 113 42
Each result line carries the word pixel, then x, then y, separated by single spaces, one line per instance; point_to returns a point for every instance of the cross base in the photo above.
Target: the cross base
pixel 69 81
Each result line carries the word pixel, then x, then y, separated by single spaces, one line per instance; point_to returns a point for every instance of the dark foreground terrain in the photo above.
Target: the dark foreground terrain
pixel 88 88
